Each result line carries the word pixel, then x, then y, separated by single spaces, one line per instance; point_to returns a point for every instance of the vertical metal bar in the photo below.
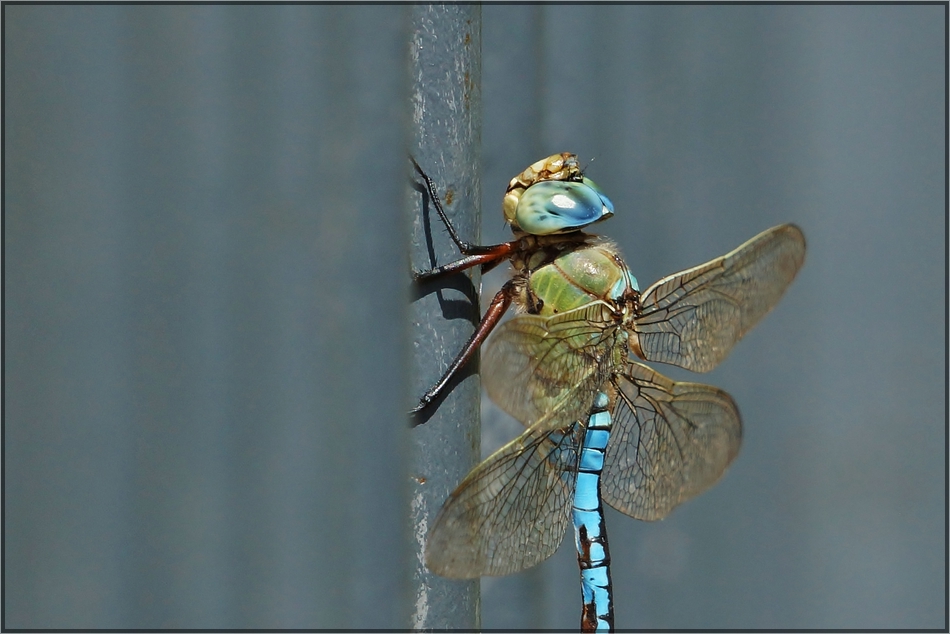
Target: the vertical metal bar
pixel 445 69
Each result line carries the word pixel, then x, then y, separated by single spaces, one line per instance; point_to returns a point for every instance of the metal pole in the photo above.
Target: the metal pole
pixel 445 67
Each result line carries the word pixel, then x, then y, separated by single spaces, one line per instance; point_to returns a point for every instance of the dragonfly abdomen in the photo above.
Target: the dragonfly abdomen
pixel 590 533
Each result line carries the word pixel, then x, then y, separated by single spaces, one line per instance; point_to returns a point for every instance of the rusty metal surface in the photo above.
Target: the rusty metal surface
pixel 445 87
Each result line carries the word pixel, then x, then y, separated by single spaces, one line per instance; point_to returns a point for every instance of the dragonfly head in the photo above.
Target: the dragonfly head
pixel 552 196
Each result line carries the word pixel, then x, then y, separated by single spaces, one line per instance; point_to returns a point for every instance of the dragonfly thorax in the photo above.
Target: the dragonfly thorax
pixel 577 277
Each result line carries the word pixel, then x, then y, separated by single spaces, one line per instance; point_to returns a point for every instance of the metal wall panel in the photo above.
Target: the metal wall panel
pixel 205 317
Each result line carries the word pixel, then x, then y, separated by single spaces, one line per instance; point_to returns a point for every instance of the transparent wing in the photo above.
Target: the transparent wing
pixel 545 371
pixel 693 318
pixel 670 442
pixel 510 512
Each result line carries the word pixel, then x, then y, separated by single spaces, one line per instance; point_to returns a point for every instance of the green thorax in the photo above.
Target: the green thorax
pixel 578 277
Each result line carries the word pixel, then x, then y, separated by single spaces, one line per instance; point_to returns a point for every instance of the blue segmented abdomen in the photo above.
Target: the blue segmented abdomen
pixel 590 534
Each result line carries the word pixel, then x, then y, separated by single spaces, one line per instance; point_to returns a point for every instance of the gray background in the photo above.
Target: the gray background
pixel 206 287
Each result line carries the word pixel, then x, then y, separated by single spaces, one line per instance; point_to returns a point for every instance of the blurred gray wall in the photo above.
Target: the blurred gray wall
pixel 205 254
pixel 204 317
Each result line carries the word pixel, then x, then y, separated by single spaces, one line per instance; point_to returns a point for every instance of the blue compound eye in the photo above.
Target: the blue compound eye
pixel 559 206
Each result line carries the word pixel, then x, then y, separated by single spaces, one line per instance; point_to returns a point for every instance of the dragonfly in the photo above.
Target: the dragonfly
pixel 600 425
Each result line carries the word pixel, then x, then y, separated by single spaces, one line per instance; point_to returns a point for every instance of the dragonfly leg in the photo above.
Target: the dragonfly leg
pixel 499 304
pixel 487 260
pixel 466 248
pixel 488 256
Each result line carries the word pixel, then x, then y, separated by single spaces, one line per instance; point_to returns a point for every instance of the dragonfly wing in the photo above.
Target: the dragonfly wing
pixel 510 512
pixel 693 318
pixel 544 371
pixel 671 441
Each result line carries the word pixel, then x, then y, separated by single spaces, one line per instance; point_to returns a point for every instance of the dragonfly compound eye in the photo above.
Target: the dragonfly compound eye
pixel 560 206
